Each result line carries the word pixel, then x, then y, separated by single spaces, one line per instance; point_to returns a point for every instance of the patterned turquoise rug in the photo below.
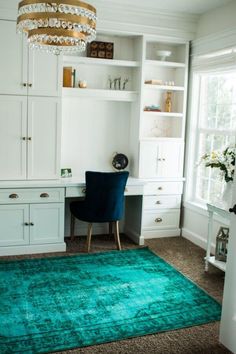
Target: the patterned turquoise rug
pixel 53 304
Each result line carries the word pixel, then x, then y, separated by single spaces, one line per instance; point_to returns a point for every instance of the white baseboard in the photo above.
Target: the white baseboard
pixel 197 239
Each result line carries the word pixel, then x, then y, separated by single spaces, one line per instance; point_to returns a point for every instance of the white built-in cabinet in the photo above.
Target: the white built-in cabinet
pixel 32 220
pixel 24 71
pixel 30 109
pixel 153 140
pixel 29 137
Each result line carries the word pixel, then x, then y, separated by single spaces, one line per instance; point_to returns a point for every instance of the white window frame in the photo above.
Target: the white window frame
pixel 193 130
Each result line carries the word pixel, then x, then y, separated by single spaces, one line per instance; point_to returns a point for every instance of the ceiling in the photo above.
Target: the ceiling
pixel 197 7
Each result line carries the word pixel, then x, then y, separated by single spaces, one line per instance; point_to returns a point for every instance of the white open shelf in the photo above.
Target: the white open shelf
pixel 164 87
pixel 74 60
pixel 218 264
pixel 164 114
pixel 165 63
pixel 108 95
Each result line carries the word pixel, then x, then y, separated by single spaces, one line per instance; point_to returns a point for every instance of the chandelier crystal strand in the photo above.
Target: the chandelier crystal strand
pixel 57 26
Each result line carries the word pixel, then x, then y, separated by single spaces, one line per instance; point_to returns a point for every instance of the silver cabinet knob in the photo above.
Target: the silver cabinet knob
pixel 13 196
pixel 158 202
pixel 160 188
pixel 158 220
pixel 84 190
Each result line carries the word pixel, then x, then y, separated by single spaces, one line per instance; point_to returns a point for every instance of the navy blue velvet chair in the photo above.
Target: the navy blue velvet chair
pixel 104 202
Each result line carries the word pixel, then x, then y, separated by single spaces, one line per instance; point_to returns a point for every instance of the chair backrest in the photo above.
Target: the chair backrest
pixel 105 195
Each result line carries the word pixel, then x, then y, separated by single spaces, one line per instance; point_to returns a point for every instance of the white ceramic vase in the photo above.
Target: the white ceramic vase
pixel 227 195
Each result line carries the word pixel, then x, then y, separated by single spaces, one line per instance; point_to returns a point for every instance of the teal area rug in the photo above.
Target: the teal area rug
pixel 54 304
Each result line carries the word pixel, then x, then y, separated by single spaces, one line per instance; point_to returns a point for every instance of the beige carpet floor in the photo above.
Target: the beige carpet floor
pixel 187 258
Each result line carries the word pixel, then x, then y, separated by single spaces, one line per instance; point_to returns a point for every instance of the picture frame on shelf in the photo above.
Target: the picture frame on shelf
pixel 66 172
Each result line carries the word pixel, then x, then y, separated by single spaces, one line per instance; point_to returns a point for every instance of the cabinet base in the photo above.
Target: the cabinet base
pixel 160 233
pixel 32 249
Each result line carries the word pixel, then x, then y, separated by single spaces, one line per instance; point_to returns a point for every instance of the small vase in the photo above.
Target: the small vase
pixel 227 195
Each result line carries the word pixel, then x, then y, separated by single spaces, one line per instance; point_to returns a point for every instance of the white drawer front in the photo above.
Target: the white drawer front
pixel 160 201
pixel 75 191
pixel 154 188
pixel 27 195
pixel 133 190
pixel 161 219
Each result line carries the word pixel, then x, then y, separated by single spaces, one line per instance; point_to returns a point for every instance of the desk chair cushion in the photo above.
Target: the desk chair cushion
pixel 104 201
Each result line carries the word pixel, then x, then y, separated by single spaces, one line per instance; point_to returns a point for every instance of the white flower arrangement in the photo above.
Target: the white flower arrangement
pixel 224 160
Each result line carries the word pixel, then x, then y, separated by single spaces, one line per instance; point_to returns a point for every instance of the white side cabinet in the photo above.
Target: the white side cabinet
pixel 161 209
pixel 32 220
pixel 25 71
pixel 161 159
pixel 29 137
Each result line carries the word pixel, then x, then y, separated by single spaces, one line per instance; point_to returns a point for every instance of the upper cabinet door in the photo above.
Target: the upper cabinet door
pixel 13 68
pixel 171 159
pixel 44 130
pixel 43 74
pixel 13 137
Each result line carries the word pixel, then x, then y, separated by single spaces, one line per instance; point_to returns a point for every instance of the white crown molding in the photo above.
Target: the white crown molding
pixel 214 42
pixel 129 19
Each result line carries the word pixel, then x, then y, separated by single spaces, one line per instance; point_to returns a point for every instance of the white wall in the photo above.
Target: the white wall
pixel 216 30
pixel 217 20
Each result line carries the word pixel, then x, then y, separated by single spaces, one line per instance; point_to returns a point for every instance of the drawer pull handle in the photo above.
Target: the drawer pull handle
pixel 158 220
pixel 44 195
pixel 84 190
pixel 26 224
pixel 158 202
pixel 31 224
pixel 13 196
pixel 160 188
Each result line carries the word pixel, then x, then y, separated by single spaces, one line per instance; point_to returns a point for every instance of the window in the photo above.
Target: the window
pixel 216 128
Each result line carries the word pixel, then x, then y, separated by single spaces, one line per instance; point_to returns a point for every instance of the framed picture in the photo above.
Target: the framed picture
pixel 66 172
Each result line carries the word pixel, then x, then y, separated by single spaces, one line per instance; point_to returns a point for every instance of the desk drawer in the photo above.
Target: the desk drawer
pixel 161 219
pixel 75 191
pixel 133 190
pixel 28 195
pixel 160 201
pixel 159 188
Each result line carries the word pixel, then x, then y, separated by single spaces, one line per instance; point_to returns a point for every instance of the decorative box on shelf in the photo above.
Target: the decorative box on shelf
pixel 103 50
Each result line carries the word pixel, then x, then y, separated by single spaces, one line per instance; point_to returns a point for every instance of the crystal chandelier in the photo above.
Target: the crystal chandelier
pixel 57 26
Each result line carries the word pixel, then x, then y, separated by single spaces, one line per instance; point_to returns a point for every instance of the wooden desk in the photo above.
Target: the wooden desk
pixel 211 259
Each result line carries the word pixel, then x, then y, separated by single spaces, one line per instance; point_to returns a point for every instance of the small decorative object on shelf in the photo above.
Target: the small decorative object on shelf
pixel 163 54
pixel 82 84
pixel 153 82
pixel 221 244
pixel 66 172
pixel 152 108
pixel 168 102
pixel 67 77
pixel 119 161
pixel 116 83
pixel 103 50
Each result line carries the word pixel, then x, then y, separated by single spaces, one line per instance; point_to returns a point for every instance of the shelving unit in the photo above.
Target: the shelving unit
pixel 99 94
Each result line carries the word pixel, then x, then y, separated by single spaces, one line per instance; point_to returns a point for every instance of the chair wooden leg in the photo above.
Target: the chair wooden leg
pixel 117 235
pixel 72 227
pixel 110 228
pixel 90 225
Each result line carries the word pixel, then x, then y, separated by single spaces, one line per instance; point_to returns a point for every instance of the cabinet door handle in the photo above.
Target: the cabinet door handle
pixel 158 220
pixel 163 159
pixel 24 138
pixel 29 138
pixel 31 224
pixel 30 85
pixel 13 196
pixel 160 188
pixel 44 195
pixel 26 224
pixel 158 202
pixel 84 190
pixel 159 159
pixel 24 84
